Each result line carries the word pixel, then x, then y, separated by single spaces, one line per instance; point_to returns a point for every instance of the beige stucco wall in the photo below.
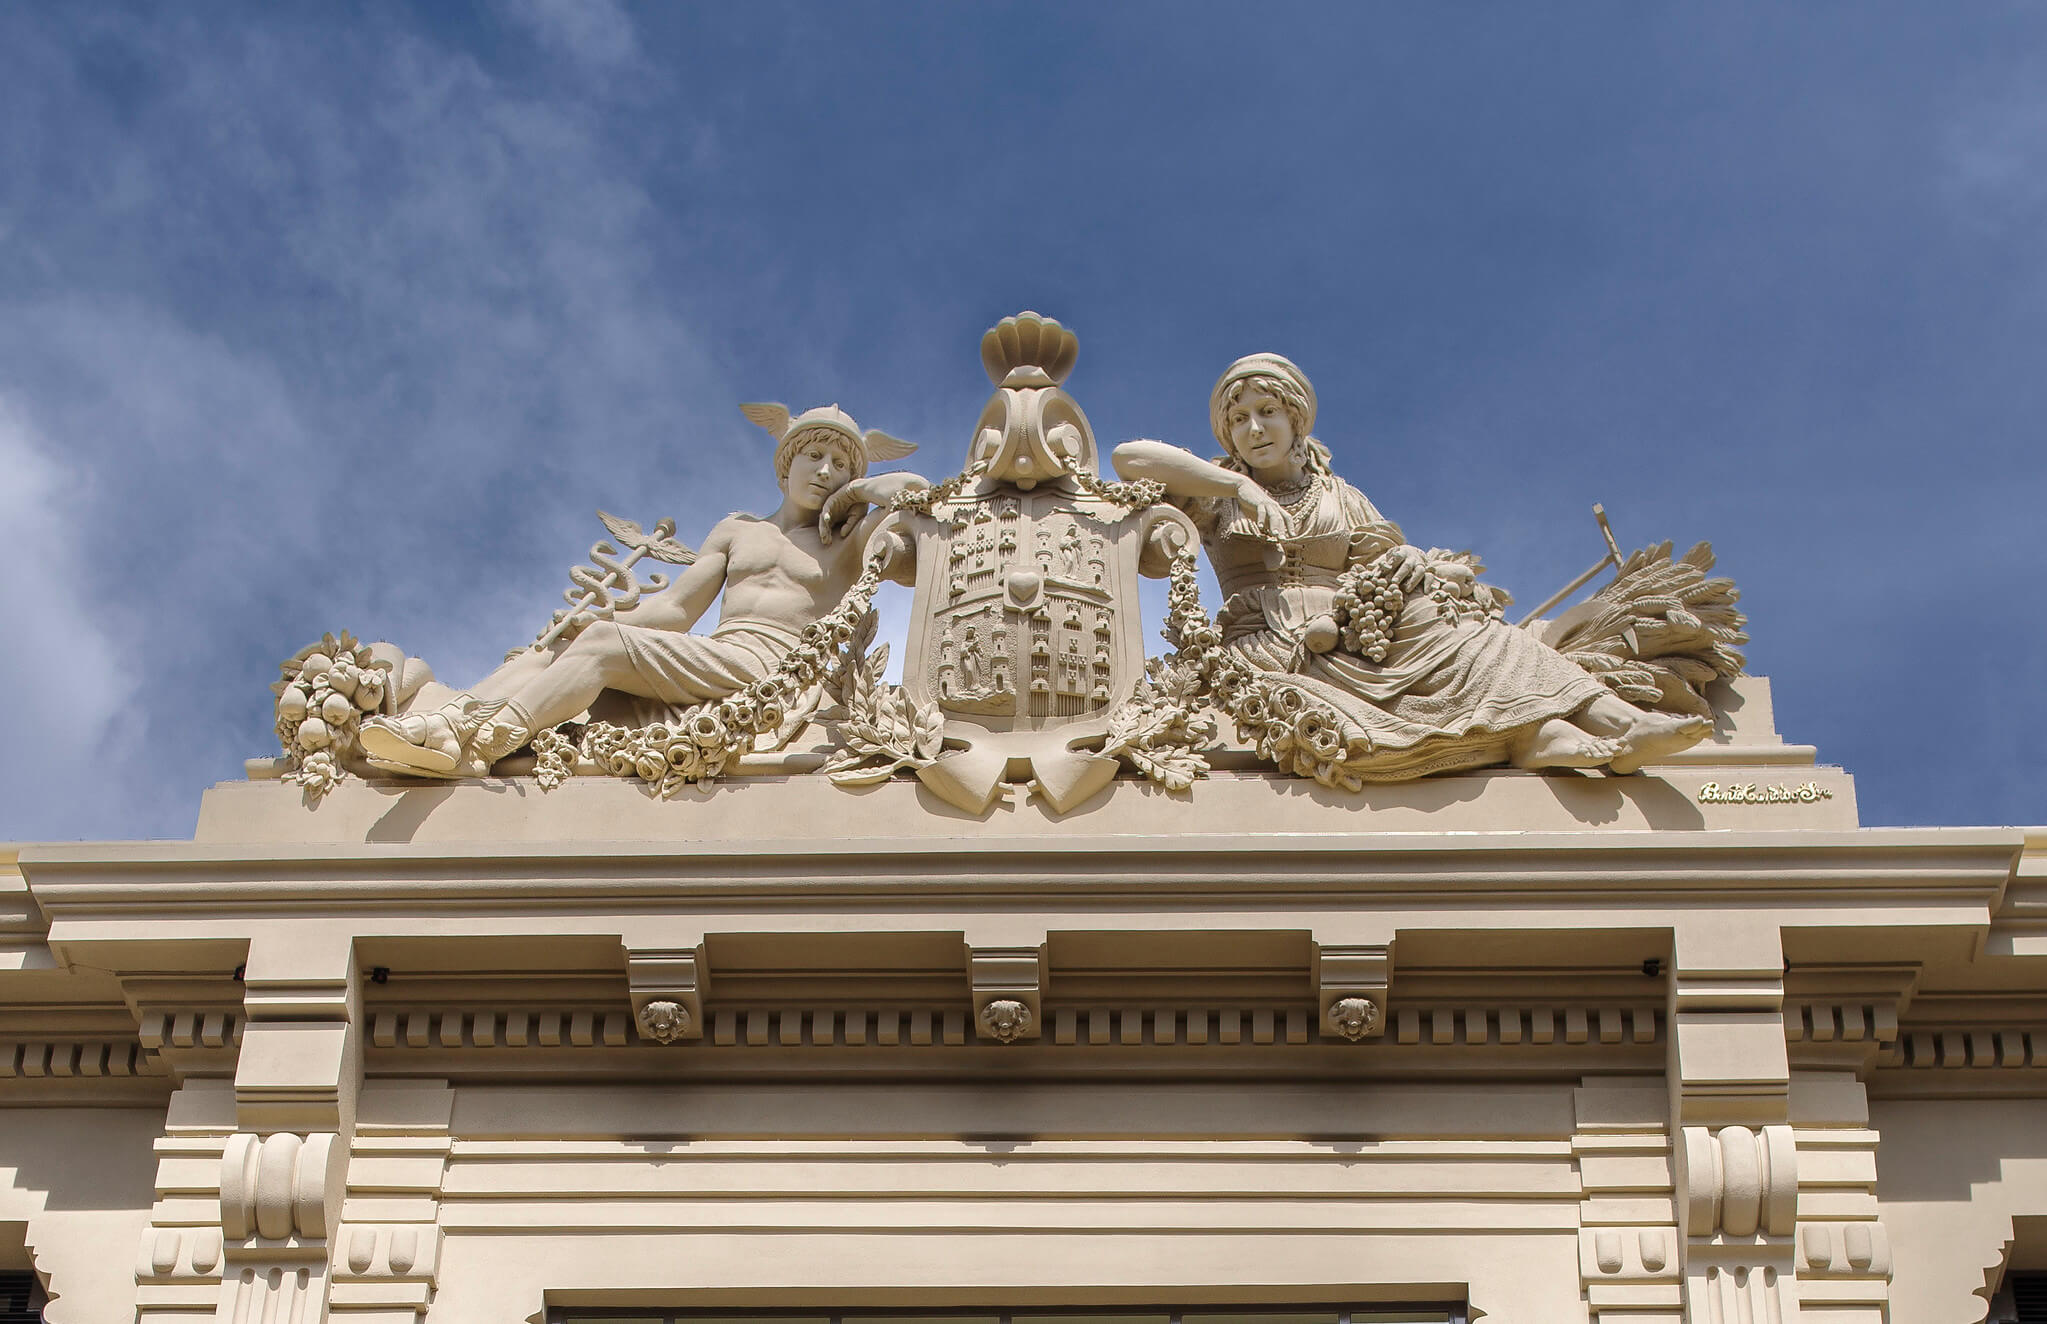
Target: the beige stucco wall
pixel 1952 1176
pixel 80 1181
pixel 1033 1193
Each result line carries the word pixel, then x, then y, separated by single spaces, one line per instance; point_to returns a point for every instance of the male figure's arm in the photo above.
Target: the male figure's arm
pixel 685 600
pixel 876 491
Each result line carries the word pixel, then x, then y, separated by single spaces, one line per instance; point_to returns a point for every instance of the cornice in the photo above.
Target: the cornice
pixel 1259 870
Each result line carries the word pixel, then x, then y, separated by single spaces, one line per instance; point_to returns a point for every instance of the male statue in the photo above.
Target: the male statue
pixel 777 575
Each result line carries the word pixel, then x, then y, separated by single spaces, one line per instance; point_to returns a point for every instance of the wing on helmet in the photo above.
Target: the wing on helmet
pixel 882 448
pixel 774 418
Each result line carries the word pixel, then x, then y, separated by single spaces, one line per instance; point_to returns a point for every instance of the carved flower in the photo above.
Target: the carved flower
pixel 1354 1018
pixel 650 765
pixel 318 774
pixel 705 728
pixel 664 1021
pixel 685 759
pixel 738 712
pixel 1319 734
pixel 1005 1020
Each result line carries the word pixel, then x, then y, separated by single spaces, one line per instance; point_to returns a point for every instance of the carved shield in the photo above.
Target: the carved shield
pixel 1025 615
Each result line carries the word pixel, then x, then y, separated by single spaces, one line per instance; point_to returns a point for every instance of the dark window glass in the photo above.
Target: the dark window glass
pixel 1373 1314
pixel 2029 1297
pixel 21 1297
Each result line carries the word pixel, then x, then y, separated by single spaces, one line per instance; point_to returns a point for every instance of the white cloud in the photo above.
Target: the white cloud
pixel 1997 153
pixel 596 32
pixel 65 677
pixel 473 354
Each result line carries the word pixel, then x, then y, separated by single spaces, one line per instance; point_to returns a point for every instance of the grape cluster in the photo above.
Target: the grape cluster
pixel 1368 604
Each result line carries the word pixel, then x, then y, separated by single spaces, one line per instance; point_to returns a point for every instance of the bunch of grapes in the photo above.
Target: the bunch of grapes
pixel 1368 605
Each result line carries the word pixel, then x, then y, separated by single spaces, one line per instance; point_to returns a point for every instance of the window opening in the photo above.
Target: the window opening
pixel 1417 1313
pixel 21 1297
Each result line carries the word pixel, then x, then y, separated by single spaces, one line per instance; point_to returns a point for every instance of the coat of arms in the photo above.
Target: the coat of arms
pixel 1024 633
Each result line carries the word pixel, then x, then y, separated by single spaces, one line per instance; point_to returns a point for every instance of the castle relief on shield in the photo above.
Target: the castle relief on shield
pixel 1340 652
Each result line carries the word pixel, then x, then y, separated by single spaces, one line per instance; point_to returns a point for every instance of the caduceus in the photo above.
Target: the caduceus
pixel 607 585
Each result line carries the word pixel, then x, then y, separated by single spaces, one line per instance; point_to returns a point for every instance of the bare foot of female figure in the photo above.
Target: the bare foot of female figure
pixel 1650 736
pixel 1558 744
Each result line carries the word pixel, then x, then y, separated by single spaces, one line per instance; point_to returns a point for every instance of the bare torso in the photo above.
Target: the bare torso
pixel 788 577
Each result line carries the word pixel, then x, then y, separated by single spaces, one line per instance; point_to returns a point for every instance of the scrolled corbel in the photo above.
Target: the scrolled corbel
pixel 1741 1181
pixel 277 1186
pixel 1351 982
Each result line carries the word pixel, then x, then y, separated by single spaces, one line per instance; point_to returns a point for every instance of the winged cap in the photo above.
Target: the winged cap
pixel 870 447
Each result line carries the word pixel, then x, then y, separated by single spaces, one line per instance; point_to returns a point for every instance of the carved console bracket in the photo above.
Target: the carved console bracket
pixel 275 1189
pixel 279 1198
pixel 1351 982
pixel 667 986
pixel 1741 1181
pixel 1009 990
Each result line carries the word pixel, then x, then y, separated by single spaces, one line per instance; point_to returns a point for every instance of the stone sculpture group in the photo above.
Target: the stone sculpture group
pixel 1340 652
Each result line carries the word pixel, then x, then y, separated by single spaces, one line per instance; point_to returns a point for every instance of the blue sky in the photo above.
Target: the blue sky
pixel 319 316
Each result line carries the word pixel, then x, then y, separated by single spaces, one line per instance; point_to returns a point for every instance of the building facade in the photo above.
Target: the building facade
pixel 1652 1048
pixel 1368 960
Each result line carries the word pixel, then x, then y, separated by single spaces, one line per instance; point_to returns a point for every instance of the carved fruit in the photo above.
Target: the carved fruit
pixel 336 709
pixel 291 705
pixel 343 678
pixel 1321 634
pixel 313 734
pixel 315 666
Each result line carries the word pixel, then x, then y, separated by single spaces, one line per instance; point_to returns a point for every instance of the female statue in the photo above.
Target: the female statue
pixel 1453 685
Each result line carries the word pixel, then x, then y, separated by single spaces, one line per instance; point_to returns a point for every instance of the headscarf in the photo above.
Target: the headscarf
pixel 1258 365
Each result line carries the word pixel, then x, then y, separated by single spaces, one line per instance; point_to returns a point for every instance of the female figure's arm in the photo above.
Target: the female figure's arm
pixel 1186 475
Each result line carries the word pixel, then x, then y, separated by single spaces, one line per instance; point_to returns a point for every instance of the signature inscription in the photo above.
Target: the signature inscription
pixel 1755 793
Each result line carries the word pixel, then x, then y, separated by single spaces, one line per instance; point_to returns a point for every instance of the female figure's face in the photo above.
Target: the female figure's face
pixel 1261 432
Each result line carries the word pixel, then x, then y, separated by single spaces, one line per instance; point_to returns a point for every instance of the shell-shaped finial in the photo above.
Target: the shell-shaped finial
pixel 1015 346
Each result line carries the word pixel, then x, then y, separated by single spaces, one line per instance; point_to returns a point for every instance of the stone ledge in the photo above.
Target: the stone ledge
pixel 797 809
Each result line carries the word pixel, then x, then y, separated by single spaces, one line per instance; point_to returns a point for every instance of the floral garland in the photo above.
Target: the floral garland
pixel 1282 722
pixel 699 745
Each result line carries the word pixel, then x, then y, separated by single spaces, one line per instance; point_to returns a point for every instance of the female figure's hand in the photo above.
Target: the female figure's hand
pixel 1409 565
pixel 1262 509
